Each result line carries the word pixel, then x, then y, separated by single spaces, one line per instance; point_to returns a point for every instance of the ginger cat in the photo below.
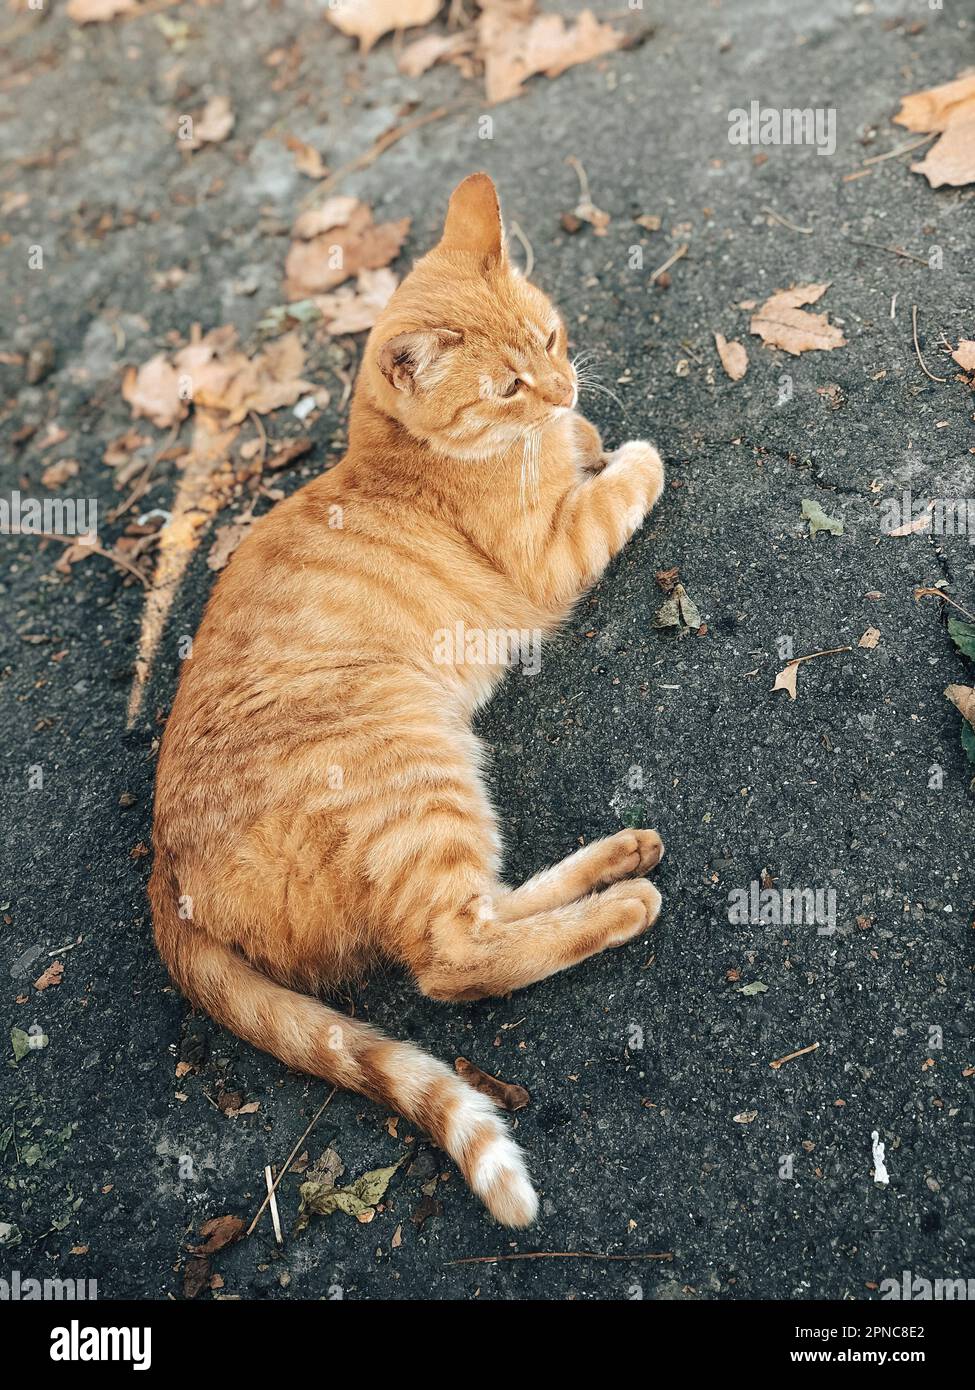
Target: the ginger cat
pixel 319 801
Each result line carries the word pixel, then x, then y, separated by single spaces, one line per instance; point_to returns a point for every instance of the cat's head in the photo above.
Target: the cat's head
pixel 468 355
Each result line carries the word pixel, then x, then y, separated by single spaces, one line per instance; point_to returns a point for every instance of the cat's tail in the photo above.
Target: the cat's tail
pixel 308 1036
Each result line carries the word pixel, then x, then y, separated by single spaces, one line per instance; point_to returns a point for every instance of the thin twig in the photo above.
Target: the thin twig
pixel 529 253
pixel 288 1162
pixel 681 251
pixel 936 593
pixel 93 546
pixel 383 143
pixel 143 481
pixel 777 217
pixel 791 1056
pixel 901 149
pixel 584 196
pixel 556 1255
pixel 275 1218
pixel 917 348
pixel 893 250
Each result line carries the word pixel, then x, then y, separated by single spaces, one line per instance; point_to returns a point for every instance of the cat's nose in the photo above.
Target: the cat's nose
pixel 568 395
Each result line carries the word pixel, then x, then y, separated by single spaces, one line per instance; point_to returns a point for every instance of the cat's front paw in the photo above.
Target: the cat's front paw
pixel 640 459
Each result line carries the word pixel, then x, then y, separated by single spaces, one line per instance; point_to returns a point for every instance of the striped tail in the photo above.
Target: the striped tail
pixel 308 1036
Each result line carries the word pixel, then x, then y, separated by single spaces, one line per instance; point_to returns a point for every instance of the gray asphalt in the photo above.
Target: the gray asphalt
pixel 639 1062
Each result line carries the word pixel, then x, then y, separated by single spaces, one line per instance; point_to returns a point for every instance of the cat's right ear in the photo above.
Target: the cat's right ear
pixel 408 358
pixel 474 218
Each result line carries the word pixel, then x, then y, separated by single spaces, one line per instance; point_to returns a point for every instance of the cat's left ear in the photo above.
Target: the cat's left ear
pixel 474 218
pixel 408 358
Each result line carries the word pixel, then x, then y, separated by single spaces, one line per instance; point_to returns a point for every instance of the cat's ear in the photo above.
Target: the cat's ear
pixel 474 218
pixel 406 359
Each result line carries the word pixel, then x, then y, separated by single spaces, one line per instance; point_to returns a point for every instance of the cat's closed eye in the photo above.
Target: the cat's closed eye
pixel 512 387
pixel 552 337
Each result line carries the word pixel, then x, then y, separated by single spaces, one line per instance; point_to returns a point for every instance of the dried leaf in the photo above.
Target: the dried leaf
pixel 786 679
pixel 358 1200
pixel 756 987
pixel 515 44
pixel 746 1117
pixel 196 1276
pixel 733 356
pixel 57 474
pixel 818 519
pixel 949 109
pixel 98 11
pixel 368 20
pixel 355 310
pixel 963 699
pixel 154 391
pixel 964 355
pixel 218 1232
pixel 505 1093
pixel 308 161
pixel 678 611
pixel 51 976
pixel 870 638
pixel 782 323
pixel 318 263
pixel 212 126
pixel 423 53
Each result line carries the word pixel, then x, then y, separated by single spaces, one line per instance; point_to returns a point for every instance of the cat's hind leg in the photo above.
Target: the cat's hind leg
pixel 477 951
pixel 619 856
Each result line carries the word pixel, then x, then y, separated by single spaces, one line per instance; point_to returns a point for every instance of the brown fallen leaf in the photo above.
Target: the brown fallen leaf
pixel 196 1276
pixel 963 699
pixel 786 679
pixel 218 1232
pixel 423 53
pixel 308 161
pixel 950 110
pixel 98 11
pixel 734 357
pixel 507 1095
pixel 368 20
pixel 355 310
pixel 870 638
pixel 782 323
pixel 57 474
pixel 51 976
pixel 515 44
pixel 212 125
pixel 334 253
pixel 964 355
pixel 153 391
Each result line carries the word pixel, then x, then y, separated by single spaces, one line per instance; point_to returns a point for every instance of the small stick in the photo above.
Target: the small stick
pixel 556 1255
pixel 275 1218
pixel 777 217
pixel 529 253
pixel 143 481
pixel 917 348
pixel 681 251
pixel 380 146
pixel 936 593
pixel 93 546
pixel 288 1162
pixel 893 250
pixel 581 176
pixel 901 149
pixel 833 651
pixel 791 1056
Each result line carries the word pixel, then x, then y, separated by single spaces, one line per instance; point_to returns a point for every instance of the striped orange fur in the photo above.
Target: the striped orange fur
pixel 319 801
